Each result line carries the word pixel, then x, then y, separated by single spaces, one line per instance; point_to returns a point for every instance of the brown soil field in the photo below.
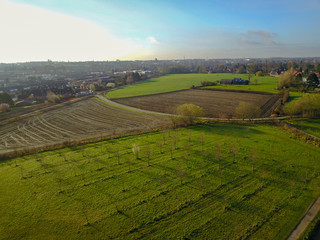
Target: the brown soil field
pixel 214 103
pixel 82 120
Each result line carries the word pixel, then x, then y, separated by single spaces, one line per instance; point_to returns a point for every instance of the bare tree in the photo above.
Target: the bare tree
pixel 160 144
pixel 164 137
pixel 254 156
pixel 84 212
pixel 247 110
pixel 175 138
pixel 21 172
pixel 148 153
pixel 172 148
pixel 180 172
pixel 136 150
pixel 218 153
pixel 234 149
pixel 202 141
pixel 118 155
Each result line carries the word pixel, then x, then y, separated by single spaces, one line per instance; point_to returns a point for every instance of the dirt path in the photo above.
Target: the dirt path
pixel 306 220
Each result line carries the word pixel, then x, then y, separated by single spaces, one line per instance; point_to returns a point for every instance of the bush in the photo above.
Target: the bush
pixel 4 107
pixel 208 83
pixel 6 98
pixel 189 112
pixel 247 110
pixel 307 106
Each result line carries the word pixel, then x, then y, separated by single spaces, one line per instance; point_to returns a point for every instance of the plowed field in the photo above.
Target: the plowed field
pixel 81 120
pixel 214 103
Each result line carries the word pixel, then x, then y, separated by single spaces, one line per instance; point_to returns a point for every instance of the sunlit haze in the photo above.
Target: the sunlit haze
pixel 34 30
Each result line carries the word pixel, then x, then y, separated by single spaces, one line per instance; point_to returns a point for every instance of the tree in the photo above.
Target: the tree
pixel 148 153
pixel 136 150
pixel 259 73
pixel 254 156
pixel 297 80
pixel 189 112
pixel 308 105
pixel 4 107
pixel 52 98
pixel 234 149
pixel 247 110
pixel 218 154
pixel 286 79
pixel 6 98
pixel 312 80
pixel 92 87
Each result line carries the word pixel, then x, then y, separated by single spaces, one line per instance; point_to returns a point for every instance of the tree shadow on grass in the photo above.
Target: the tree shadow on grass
pixel 232 130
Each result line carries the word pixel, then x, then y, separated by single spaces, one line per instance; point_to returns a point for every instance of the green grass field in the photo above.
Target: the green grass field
pixel 311 126
pixel 175 82
pixel 100 190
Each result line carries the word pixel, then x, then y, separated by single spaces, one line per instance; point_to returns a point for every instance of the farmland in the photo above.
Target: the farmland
pixel 84 119
pixel 203 182
pixel 214 103
pixel 176 82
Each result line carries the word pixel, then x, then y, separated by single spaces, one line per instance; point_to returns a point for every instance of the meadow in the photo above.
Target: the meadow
pixel 210 181
pixel 176 82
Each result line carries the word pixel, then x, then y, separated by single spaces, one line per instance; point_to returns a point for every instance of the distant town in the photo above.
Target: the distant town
pixel 34 82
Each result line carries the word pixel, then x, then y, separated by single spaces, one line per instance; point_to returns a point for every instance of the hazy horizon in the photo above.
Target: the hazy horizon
pixel 103 30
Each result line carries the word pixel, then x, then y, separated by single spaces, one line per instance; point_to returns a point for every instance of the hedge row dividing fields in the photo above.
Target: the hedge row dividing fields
pixel 203 182
pixel 84 119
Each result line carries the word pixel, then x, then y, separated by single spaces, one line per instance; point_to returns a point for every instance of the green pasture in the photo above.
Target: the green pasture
pixel 176 82
pixel 182 185
pixel 311 126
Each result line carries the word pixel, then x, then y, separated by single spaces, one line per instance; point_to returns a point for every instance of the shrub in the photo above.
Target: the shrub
pixel 208 83
pixel 189 112
pixel 247 110
pixel 308 106
pixel 4 107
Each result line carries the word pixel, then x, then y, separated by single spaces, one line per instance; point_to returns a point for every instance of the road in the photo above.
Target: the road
pixel 306 220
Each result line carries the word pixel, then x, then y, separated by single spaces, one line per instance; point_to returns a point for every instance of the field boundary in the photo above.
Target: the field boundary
pixel 199 88
pixel 304 222
pixel 155 94
pixel 299 131
pixel 70 143
pixel 238 91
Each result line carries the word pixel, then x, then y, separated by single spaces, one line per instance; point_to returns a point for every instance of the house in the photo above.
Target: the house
pixel 275 73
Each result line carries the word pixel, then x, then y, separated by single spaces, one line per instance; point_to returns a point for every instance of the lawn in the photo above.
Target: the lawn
pixel 311 126
pixel 183 184
pixel 175 82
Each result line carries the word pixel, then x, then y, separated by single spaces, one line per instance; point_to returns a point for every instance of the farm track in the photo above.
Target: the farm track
pixel 214 103
pixel 81 120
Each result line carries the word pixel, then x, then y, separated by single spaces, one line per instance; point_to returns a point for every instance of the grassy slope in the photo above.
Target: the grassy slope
pixel 51 194
pixel 184 81
pixel 311 126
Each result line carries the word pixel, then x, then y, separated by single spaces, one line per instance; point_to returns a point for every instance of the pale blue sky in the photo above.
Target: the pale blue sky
pixel 171 29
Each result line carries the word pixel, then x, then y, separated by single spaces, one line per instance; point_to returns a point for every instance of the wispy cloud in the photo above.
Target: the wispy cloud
pixel 262 34
pixel 152 40
pixel 258 37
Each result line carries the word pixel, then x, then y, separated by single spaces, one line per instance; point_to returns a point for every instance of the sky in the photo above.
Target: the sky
pixel 86 30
